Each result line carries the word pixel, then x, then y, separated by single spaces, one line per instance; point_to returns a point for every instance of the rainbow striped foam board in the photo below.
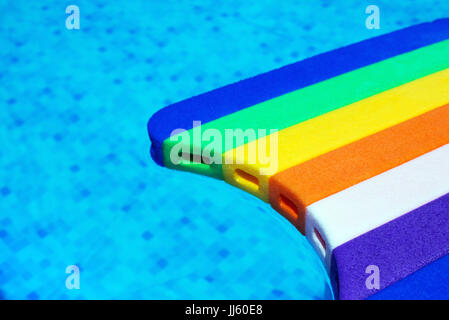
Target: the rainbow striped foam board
pixel 351 146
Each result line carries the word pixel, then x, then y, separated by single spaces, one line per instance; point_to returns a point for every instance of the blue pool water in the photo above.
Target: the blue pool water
pixel 77 184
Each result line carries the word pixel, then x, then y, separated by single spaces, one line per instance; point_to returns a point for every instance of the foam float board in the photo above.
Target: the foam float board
pixel 307 140
pixel 350 213
pixel 233 98
pixel 292 190
pixel 397 249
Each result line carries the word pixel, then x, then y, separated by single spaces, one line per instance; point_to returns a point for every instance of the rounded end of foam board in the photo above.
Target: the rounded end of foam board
pixel 155 138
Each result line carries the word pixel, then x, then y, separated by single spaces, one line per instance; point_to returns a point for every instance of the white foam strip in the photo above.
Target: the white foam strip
pixel 376 201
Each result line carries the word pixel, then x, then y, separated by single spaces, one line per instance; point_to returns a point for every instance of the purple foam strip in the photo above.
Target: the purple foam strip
pixel 398 248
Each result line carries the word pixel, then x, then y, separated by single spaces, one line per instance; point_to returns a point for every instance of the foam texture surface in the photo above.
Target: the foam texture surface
pixel 292 190
pixel 428 283
pixel 398 249
pixel 376 201
pixel 335 129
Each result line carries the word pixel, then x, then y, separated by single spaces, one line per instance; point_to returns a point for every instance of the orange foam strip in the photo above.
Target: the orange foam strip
pixel 293 189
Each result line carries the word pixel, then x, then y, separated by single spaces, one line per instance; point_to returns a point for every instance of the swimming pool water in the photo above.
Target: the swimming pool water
pixel 77 184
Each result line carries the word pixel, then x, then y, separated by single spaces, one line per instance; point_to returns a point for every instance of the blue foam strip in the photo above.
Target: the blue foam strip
pixel 428 283
pixel 232 98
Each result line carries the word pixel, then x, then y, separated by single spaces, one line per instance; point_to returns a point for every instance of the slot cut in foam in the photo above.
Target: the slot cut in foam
pixel 247 180
pixel 319 240
pixel 192 158
pixel 288 206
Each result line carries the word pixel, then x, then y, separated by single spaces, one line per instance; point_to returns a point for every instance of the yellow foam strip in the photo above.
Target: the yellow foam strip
pixel 309 139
